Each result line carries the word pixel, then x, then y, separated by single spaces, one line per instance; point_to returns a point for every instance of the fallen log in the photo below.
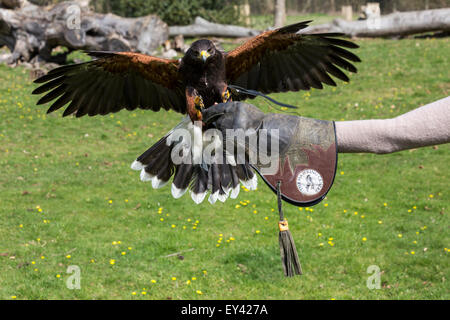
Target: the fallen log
pixel 32 32
pixel 397 24
pixel 204 28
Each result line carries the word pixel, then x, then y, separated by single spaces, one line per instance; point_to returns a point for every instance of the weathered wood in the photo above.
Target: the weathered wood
pixel 280 13
pixel 204 28
pixel 393 25
pixel 347 13
pixel 31 32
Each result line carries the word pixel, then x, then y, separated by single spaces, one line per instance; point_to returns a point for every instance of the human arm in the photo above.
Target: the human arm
pixel 424 126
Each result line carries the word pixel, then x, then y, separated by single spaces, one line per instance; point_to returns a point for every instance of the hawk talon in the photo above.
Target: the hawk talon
pixel 226 96
pixel 198 102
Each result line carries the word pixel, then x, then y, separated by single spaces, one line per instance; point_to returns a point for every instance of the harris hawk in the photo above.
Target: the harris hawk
pixel 279 60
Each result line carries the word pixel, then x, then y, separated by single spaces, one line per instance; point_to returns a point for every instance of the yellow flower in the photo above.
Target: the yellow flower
pixel 134 293
pixel 153 281
pixel 356 212
pixel 33 262
pixel 174 278
pixel 412 252
pixel 399 235
pixel 123 253
pixel 42 257
pixel 266 218
pixel 110 201
pixel 431 196
pixel 161 219
pixel 380 222
pixel 205 272
pixel 112 262
pixel 194 278
pixel 319 234
pixel 20 225
pixel 173 226
pixel 342 172
pixel 364 239
pixel 58 276
pixel 144 292
pixel 325 205
pixel 330 239
pixel 321 244
pixel 130 248
pixel 237 206
pixel 188 282
pixel 385 204
pixel 257 231
pixel 68 256
pixel 13 297
pixel 199 292
pixel 232 239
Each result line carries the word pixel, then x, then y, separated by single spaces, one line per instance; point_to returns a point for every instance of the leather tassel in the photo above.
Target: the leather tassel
pixel 288 251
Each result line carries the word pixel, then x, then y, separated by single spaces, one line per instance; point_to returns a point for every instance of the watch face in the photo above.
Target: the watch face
pixel 309 182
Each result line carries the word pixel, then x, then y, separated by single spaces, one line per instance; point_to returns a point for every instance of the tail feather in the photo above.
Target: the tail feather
pixel 199 184
pixel 181 179
pixel 221 180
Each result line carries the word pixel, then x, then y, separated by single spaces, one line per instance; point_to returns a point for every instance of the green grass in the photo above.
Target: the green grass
pixel 66 188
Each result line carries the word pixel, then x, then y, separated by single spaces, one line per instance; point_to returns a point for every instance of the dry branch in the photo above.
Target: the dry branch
pixel 204 28
pixel 397 24
pixel 32 32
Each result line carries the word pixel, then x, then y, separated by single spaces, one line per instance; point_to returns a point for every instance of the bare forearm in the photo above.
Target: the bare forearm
pixel 424 126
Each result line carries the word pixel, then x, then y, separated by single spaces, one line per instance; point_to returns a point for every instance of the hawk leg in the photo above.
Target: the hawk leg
pixel 194 104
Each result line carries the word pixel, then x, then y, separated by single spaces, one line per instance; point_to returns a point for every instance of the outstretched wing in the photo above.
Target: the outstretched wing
pixel 282 60
pixel 113 81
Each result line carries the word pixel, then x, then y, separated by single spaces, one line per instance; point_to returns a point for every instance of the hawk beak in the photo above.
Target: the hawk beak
pixel 204 55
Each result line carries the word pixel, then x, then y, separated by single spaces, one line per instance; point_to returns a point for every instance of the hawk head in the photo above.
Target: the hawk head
pixel 201 51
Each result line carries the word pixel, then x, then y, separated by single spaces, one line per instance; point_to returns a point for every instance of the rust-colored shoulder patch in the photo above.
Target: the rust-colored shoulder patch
pixel 161 71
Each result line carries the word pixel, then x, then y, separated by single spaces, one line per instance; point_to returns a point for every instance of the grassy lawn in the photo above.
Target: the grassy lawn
pixel 69 197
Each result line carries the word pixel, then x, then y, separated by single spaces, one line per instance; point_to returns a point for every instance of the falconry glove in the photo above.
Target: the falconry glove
pixel 298 153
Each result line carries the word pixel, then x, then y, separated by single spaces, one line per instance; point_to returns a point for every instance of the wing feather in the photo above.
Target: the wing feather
pixel 112 82
pixel 284 60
